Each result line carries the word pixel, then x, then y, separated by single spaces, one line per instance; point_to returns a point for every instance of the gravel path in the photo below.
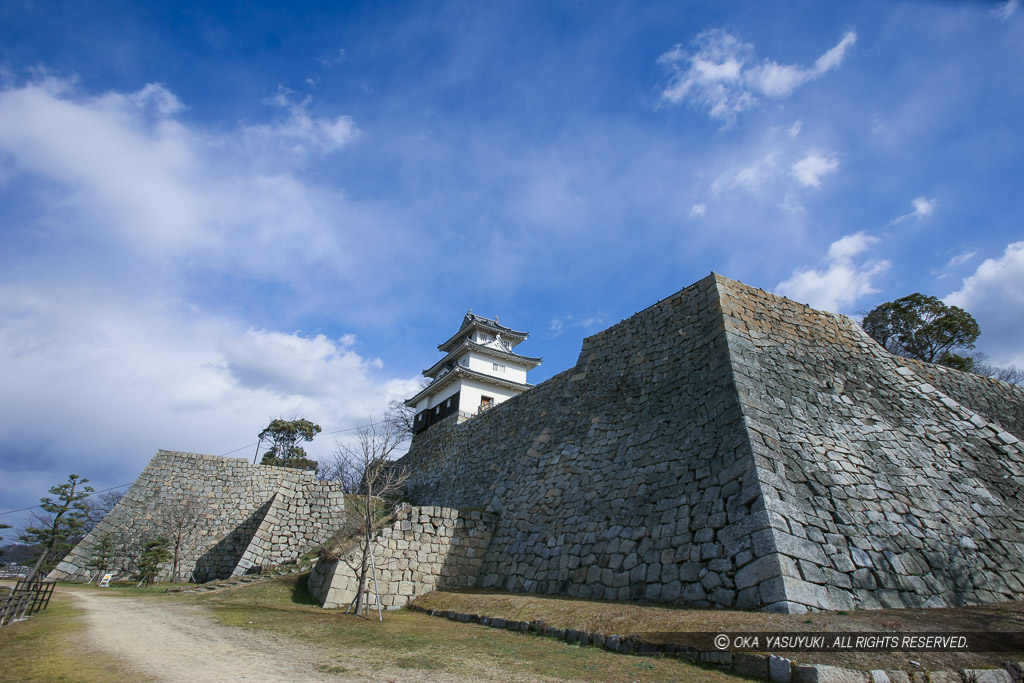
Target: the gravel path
pixel 174 642
pixel 168 642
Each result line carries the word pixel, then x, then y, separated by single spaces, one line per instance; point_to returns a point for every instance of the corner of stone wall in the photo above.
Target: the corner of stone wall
pixel 422 549
pixel 773 553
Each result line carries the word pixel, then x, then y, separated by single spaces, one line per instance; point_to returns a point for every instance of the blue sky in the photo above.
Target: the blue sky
pixel 212 216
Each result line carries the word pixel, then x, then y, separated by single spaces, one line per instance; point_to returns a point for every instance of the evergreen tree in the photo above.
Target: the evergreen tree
pixel 65 519
pixel 154 554
pixel 102 554
pixel 923 327
pixel 284 437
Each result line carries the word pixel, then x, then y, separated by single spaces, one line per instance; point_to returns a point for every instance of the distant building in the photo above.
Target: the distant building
pixel 479 371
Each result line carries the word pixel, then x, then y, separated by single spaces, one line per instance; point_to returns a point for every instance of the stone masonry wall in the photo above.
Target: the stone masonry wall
pixel 235 499
pixel 733 448
pixel 882 491
pixel 982 395
pixel 627 477
pixel 423 549
pixel 300 516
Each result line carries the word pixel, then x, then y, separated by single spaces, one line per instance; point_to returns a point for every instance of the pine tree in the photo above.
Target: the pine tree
pixel 65 519
pixel 154 554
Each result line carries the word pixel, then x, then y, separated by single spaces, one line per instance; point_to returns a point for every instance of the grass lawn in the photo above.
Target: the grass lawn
pixel 626 618
pixel 414 641
pixel 50 648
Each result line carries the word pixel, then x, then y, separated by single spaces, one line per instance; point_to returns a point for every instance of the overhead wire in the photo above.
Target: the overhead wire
pixel 337 431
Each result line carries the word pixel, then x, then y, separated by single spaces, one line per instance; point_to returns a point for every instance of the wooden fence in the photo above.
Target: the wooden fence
pixel 26 598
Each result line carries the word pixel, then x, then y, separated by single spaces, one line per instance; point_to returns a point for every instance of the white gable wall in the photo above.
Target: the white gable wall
pixel 481 363
pixel 472 391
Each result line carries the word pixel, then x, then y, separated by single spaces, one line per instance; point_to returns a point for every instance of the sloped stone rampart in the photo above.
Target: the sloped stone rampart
pixel 733 448
pixel 982 395
pixel 628 477
pixel 235 499
pixel 423 549
pixel 884 490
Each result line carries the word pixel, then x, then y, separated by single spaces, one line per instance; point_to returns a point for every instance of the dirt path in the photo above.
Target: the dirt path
pixel 168 642
pixel 172 642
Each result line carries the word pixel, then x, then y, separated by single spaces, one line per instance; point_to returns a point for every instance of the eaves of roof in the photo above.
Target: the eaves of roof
pixel 468 345
pixel 465 373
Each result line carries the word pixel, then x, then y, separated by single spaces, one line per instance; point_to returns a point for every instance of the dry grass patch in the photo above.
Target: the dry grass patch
pixel 626 619
pixel 424 645
pixel 51 647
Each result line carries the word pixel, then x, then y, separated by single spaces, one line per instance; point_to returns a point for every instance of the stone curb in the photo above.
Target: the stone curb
pixel 765 667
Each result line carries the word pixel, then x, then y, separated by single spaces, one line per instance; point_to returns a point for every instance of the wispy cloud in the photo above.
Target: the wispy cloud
pixel 777 172
pixel 922 207
pixel 809 170
pixel 960 259
pixel 339 57
pixel 720 76
pixel 1005 10
pixel 587 323
pixel 841 281
pixel 301 131
pixel 698 210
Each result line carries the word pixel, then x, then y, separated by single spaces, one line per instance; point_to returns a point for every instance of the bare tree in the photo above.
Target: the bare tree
pixel 1011 374
pixel 374 482
pixel 179 520
pixel 99 506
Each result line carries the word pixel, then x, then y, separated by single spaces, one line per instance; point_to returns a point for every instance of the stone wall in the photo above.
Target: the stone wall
pixel 627 477
pixel 728 447
pixel 250 515
pixel 882 490
pixel 982 395
pixel 422 549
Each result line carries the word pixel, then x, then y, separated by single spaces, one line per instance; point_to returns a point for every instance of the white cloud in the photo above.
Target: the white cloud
pixel 795 129
pixel 586 323
pixel 716 76
pixel 994 295
pixel 339 57
pixel 809 170
pixel 960 259
pixel 120 169
pixel 131 223
pixel 1005 10
pixel 698 210
pixel 776 173
pixel 842 281
pixel 92 373
pixel 922 207
pixel 302 131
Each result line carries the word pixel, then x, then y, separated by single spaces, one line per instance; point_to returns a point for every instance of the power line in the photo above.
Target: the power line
pixel 94 493
pixel 337 431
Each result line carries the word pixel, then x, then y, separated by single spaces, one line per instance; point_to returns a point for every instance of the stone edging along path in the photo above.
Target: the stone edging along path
pixel 766 667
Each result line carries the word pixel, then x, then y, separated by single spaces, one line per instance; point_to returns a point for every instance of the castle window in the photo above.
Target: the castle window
pixel 486 402
pixel 437 410
pixel 498 368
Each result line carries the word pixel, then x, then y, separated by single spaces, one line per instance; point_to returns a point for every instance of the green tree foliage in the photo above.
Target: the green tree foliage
pixel 922 327
pixel 284 437
pixel 3 526
pixel 64 521
pixel 102 554
pixel 154 554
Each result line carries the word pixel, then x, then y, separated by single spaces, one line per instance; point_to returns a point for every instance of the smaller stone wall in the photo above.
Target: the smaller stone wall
pixel 422 549
pixel 250 516
pixel 300 516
